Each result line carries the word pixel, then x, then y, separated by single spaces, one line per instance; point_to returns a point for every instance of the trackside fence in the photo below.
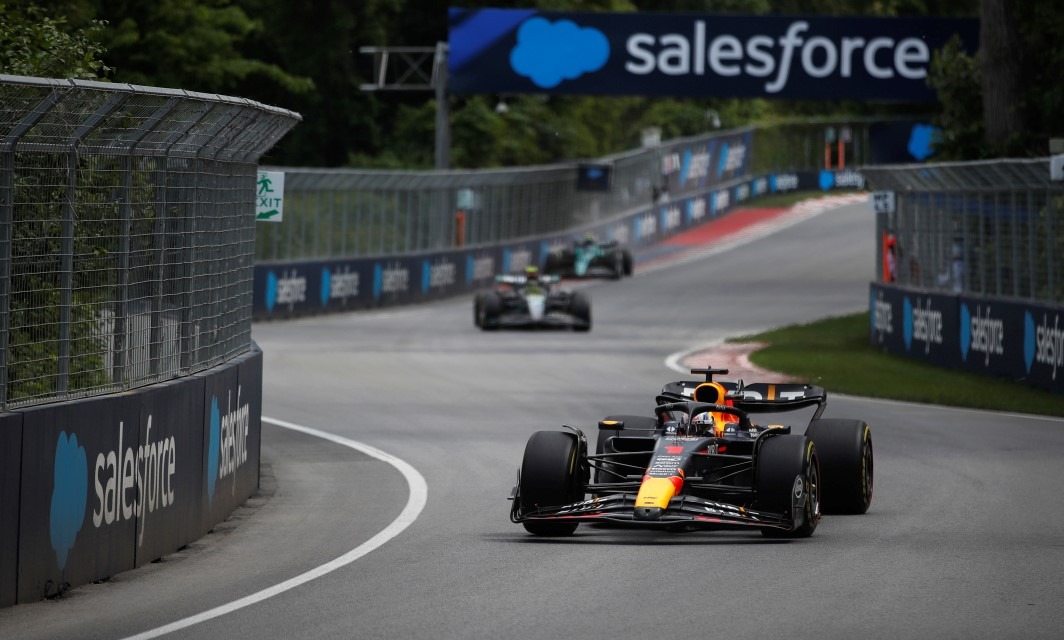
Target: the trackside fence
pixel 127 234
pixel 972 267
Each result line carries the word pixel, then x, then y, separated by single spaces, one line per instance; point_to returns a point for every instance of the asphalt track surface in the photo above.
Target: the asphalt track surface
pixel 964 539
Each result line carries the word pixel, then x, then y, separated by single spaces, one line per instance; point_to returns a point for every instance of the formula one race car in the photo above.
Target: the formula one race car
pixel 700 463
pixel 590 259
pixel 531 300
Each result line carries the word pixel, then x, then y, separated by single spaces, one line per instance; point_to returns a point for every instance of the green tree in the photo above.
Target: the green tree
pixel 34 44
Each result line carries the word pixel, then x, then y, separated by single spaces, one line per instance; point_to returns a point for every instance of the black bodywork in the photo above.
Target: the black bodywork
pixel 722 478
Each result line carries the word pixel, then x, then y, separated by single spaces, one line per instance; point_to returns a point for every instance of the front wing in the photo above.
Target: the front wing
pixel 684 510
pixel 554 319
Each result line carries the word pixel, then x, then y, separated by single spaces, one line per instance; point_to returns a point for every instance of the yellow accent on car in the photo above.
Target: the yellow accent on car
pixel 655 492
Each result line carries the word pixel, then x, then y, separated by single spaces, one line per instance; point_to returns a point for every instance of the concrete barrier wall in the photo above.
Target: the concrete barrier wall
pixel 98 486
pixel 1021 340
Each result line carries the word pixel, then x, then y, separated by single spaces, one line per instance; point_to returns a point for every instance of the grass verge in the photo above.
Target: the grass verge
pixel 836 354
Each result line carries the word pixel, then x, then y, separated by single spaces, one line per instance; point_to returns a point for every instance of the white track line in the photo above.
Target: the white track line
pixel 414 505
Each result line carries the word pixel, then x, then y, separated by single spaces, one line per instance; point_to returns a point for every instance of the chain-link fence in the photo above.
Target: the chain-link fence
pixel 349 213
pixel 992 228
pixel 127 233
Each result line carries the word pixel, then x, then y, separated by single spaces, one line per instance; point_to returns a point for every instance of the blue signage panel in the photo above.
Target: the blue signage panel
pixel 1017 340
pixel 695 55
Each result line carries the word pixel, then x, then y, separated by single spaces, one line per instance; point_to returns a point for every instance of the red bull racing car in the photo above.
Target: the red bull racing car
pixel 700 462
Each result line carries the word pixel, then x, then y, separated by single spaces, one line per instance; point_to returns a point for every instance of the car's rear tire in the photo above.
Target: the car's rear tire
pixel 846 464
pixel 580 307
pixel 627 255
pixel 555 262
pixel 490 308
pixel 780 461
pixel 550 477
pixel 478 301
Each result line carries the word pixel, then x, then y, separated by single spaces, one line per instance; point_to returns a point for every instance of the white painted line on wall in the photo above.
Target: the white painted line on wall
pixel 414 505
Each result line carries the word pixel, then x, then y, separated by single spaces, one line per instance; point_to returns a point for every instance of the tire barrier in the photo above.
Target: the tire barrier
pixel 290 289
pixel 102 485
pixel 1021 340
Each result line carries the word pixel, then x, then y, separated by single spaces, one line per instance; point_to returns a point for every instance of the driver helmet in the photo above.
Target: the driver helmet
pixel 532 273
pixel 702 423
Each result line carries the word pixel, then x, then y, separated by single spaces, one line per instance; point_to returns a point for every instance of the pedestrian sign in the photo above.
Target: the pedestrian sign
pixel 269 196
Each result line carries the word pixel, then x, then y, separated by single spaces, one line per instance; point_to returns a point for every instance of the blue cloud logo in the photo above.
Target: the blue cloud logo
pixel 685 166
pixel 326 285
pixel 689 210
pixel 921 140
pixel 772 183
pixel 722 162
pixel 966 329
pixel 548 53
pixel 907 327
pixel 426 276
pixel 1029 340
pixel 212 448
pixel 271 290
pixel 70 490
pixel 470 264
pixel 827 180
pixel 637 227
pixel 378 280
pixel 506 260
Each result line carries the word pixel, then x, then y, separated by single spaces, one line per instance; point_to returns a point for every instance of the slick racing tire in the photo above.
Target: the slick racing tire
pixel 555 263
pixel 580 307
pixel 781 460
pixel 550 477
pixel 490 308
pixel 627 258
pixel 478 302
pixel 617 264
pixel 846 464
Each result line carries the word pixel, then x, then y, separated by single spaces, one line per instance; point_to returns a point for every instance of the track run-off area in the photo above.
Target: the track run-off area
pixel 391 440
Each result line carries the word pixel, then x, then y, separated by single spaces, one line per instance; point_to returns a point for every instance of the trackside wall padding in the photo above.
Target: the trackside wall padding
pixel 10 483
pixel 98 486
pixel 1005 338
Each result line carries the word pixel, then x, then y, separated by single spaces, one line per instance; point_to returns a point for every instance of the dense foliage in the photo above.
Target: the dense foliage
pixel 305 56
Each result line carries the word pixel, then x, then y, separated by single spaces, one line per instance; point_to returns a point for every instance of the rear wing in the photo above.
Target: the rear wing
pixel 756 397
pixel 519 279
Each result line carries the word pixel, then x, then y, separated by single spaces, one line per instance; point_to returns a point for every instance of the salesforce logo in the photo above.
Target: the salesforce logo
pixel 70 490
pixel 842 179
pixel 227 447
pixel 981 333
pixel 921 139
pixel 921 324
pixel 1043 343
pixel 326 285
pixel 289 289
pixel 547 53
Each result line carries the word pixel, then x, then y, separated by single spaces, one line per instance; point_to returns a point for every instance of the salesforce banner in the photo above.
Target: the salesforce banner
pixel 105 484
pixel 686 168
pixel 1022 341
pixel 676 54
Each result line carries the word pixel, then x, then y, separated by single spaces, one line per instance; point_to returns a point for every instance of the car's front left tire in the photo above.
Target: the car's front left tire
pixel 550 477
